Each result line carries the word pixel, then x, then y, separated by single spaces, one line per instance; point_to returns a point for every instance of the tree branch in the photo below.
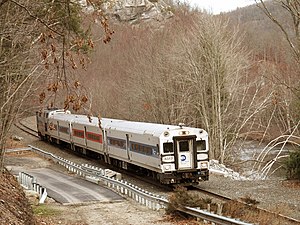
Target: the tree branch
pixel 35 17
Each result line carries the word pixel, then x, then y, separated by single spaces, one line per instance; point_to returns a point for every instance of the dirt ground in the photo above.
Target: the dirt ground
pixel 14 206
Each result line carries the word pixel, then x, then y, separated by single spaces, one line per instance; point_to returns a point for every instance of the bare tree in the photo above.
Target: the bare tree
pixel 198 74
pixel 226 99
pixel 287 95
pixel 42 38
pixel 16 72
pixel 293 9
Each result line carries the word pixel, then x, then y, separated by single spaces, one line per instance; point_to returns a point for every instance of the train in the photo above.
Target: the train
pixel 170 154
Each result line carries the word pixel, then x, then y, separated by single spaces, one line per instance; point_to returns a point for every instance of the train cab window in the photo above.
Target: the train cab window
pixel 201 145
pixel 168 147
pixel 184 146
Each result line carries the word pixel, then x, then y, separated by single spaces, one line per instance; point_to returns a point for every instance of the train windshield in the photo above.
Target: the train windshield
pixel 201 145
pixel 184 146
pixel 168 147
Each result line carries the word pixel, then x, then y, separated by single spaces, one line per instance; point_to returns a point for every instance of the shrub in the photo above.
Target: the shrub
pixel 182 197
pixel 293 165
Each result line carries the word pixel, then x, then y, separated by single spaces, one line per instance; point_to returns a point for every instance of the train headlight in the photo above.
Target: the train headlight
pixel 184 132
pixel 204 165
pixel 167 167
pixel 202 156
pixel 166 133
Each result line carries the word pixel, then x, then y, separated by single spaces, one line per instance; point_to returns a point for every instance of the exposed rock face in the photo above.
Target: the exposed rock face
pixel 137 11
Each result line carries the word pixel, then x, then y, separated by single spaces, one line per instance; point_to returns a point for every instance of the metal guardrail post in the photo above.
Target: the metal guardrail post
pixel 29 182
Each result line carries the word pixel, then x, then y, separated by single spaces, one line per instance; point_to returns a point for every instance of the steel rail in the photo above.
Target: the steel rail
pixel 214 218
pixel 26 129
pixel 256 207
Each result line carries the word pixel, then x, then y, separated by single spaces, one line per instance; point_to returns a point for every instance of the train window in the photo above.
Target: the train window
pixel 168 147
pixel 64 130
pixel 201 145
pixel 148 151
pixel 142 149
pixel 155 151
pixel 94 137
pixel 78 133
pixel 183 146
pixel 135 147
pixel 117 143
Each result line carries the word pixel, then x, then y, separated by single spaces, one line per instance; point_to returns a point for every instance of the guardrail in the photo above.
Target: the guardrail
pixel 29 182
pixel 17 149
pixel 98 175
pixel 152 201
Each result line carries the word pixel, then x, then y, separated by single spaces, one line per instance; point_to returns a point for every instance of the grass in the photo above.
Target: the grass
pixel 45 210
pixel 250 213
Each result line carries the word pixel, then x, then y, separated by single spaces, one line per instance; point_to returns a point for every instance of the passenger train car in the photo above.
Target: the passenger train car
pixel 170 154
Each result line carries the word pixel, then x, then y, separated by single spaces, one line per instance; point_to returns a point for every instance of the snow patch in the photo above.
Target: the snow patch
pixel 220 169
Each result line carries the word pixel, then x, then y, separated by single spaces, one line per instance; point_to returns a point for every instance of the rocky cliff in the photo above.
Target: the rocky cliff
pixel 136 11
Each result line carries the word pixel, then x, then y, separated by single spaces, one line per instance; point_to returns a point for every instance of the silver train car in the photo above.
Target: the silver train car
pixel 169 154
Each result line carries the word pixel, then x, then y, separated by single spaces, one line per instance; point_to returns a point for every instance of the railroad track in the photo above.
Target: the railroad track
pixel 212 194
pixel 188 210
pixel 20 125
pixel 284 219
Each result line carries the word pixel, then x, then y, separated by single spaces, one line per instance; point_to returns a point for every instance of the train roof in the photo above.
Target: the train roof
pixel 137 127
pixel 153 129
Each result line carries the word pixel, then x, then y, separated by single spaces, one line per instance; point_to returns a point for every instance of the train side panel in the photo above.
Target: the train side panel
pixel 52 129
pixel 117 145
pixel 144 151
pixel 78 135
pixel 64 130
pixel 94 138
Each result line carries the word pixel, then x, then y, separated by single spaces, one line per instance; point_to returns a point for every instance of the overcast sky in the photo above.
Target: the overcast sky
pixel 217 6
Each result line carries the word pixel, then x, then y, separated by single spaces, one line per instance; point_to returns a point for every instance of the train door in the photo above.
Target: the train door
pixel 105 147
pixel 58 129
pixel 46 122
pixel 128 146
pixel 105 144
pixel 85 136
pixel 185 152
